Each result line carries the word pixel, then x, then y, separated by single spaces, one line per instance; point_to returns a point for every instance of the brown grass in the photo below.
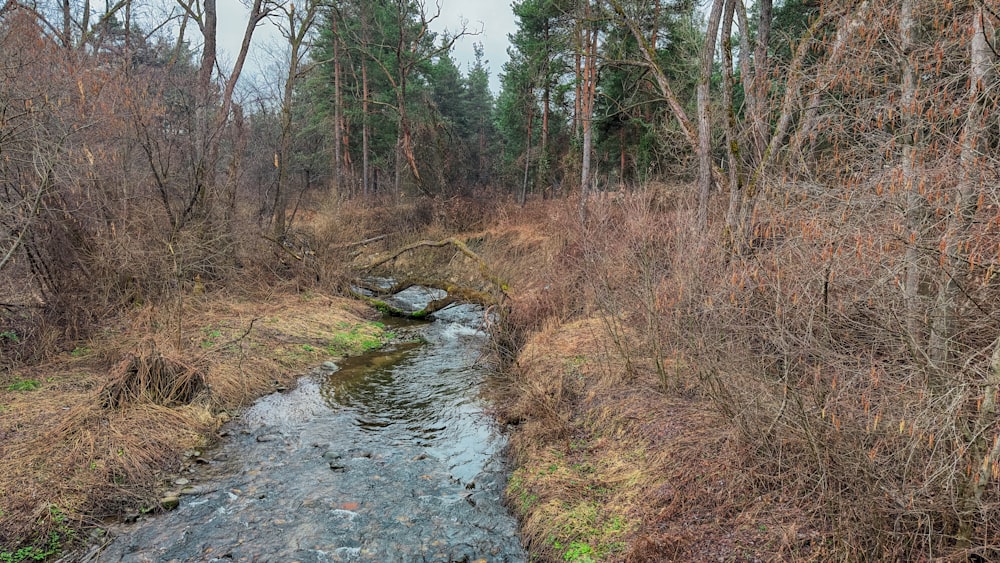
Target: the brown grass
pixel 774 405
pixel 109 424
pixel 622 452
pixel 610 467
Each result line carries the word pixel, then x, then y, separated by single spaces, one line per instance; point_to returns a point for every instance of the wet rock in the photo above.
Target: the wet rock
pixel 198 490
pixel 268 438
pixel 329 367
pixel 170 502
pixel 181 482
pixel 337 467
pixel 332 455
pixel 346 514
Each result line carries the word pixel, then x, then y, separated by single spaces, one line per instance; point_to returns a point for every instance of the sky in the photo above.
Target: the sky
pixel 494 19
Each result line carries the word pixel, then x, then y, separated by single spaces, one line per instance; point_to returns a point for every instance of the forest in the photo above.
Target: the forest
pixel 743 256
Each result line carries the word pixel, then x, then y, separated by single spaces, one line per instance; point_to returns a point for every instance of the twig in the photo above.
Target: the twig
pixel 283 247
pixel 360 243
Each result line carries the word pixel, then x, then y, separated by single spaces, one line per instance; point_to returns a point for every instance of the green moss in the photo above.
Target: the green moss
pixel 356 339
pixel 24 385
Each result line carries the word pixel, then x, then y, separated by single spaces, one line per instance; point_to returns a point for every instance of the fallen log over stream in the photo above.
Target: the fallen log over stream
pixel 456 293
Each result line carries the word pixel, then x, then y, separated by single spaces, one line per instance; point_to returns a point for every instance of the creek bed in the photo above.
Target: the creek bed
pixel 390 458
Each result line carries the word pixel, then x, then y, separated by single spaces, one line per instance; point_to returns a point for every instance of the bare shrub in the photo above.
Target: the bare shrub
pixel 147 375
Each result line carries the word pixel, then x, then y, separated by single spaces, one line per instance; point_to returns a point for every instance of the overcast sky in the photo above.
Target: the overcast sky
pixel 494 18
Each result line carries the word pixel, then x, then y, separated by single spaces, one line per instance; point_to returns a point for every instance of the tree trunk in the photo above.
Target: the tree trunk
pixel 397 181
pixel 704 117
pixel 67 29
pixel 542 181
pixel 970 188
pixel 963 211
pixel 338 164
pixel 915 208
pixel 761 80
pixel 731 135
pixel 366 180
pixel 578 83
pixel 202 166
pixel 522 197
pixel 587 107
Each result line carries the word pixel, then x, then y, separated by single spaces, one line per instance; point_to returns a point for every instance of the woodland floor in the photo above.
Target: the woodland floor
pixel 608 465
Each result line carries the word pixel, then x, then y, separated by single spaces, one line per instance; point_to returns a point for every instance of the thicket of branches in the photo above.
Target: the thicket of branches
pixel 136 164
pixel 830 279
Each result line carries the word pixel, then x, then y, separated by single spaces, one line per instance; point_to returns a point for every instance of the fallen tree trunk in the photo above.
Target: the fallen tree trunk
pixel 456 293
pixel 484 269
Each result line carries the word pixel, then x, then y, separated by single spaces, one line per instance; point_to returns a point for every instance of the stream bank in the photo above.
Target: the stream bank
pixel 389 458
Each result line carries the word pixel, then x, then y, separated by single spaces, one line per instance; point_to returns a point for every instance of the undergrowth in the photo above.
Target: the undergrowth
pixel 838 439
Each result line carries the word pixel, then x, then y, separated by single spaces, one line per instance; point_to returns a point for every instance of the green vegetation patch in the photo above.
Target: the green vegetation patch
pixel 360 338
pixel 48 547
pixel 568 503
pixel 24 385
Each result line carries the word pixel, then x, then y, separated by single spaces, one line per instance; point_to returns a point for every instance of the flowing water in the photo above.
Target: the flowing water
pixel 389 458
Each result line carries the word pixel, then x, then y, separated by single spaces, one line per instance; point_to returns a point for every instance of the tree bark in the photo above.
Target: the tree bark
pixel 915 208
pixel 967 192
pixel 366 181
pixel 338 165
pixel 704 114
pixel 542 181
pixel 522 197
pixel 731 134
pixel 67 29
pixel 587 106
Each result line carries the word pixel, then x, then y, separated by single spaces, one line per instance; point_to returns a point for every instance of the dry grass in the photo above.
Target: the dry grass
pixel 621 451
pixel 610 468
pixel 108 423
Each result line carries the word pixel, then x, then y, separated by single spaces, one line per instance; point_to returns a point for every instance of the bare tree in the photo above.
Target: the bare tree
pixel 295 28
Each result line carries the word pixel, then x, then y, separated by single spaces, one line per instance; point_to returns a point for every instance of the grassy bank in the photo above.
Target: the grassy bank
pixel 618 455
pixel 81 441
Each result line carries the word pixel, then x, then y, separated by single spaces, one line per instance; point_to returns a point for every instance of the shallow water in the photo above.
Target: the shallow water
pixel 391 458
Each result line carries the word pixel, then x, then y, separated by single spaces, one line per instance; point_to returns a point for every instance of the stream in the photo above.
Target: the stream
pixel 391 457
